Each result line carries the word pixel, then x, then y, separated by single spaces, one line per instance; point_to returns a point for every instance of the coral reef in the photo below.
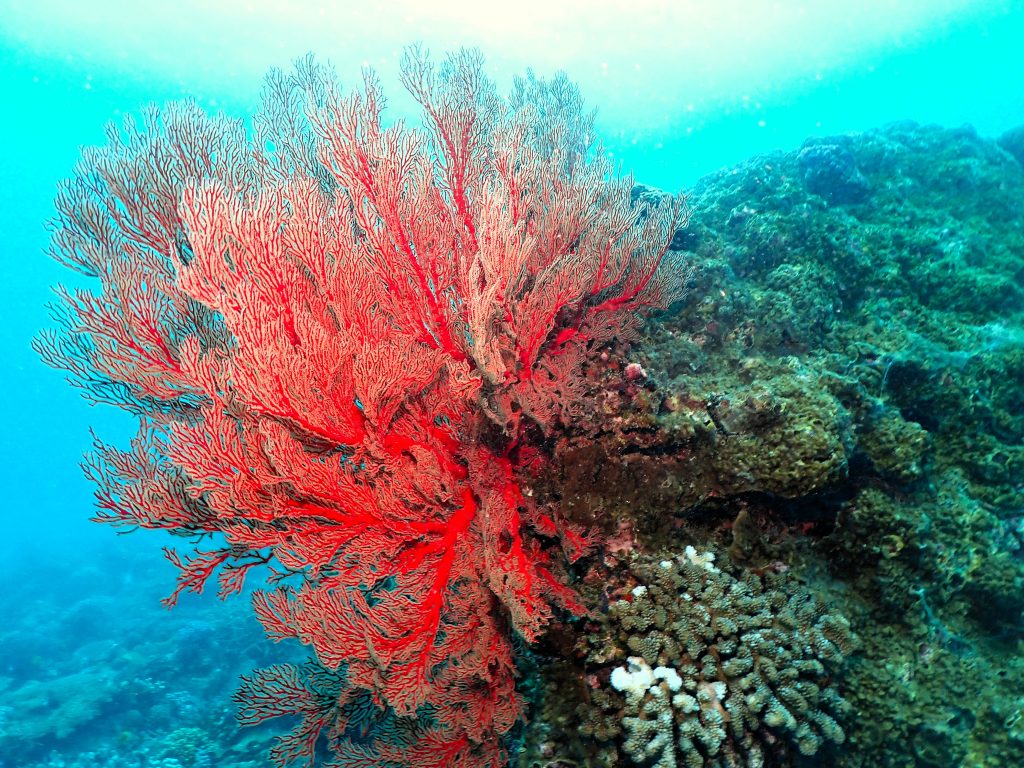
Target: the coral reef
pixel 920 349
pixel 721 670
pixel 54 709
pixel 834 409
pixel 841 397
pixel 102 688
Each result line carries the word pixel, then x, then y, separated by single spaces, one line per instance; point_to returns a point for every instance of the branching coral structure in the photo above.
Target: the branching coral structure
pixel 343 340
pixel 708 669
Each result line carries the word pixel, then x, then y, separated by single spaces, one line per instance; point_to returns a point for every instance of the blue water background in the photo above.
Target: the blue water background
pixel 681 91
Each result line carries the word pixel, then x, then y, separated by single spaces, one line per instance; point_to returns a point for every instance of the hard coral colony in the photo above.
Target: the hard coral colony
pixel 721 671
pixel 344 341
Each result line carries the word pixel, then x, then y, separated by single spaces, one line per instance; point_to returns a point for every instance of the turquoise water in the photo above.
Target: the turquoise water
pixel 96 673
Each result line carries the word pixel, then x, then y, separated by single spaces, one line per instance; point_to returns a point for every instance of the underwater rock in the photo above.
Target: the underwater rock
pixel 1013 142
pixel 830 171
pixel 841 396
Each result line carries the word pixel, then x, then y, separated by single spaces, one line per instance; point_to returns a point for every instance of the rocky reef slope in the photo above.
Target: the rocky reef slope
pixel 836 411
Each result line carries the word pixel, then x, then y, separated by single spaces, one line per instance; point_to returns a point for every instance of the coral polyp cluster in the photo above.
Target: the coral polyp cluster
pixel 696 667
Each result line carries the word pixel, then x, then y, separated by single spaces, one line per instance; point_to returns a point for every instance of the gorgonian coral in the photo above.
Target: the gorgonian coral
pixel 341 338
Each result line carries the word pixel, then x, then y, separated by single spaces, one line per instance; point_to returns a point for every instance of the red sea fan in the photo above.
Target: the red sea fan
pixel 338 336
